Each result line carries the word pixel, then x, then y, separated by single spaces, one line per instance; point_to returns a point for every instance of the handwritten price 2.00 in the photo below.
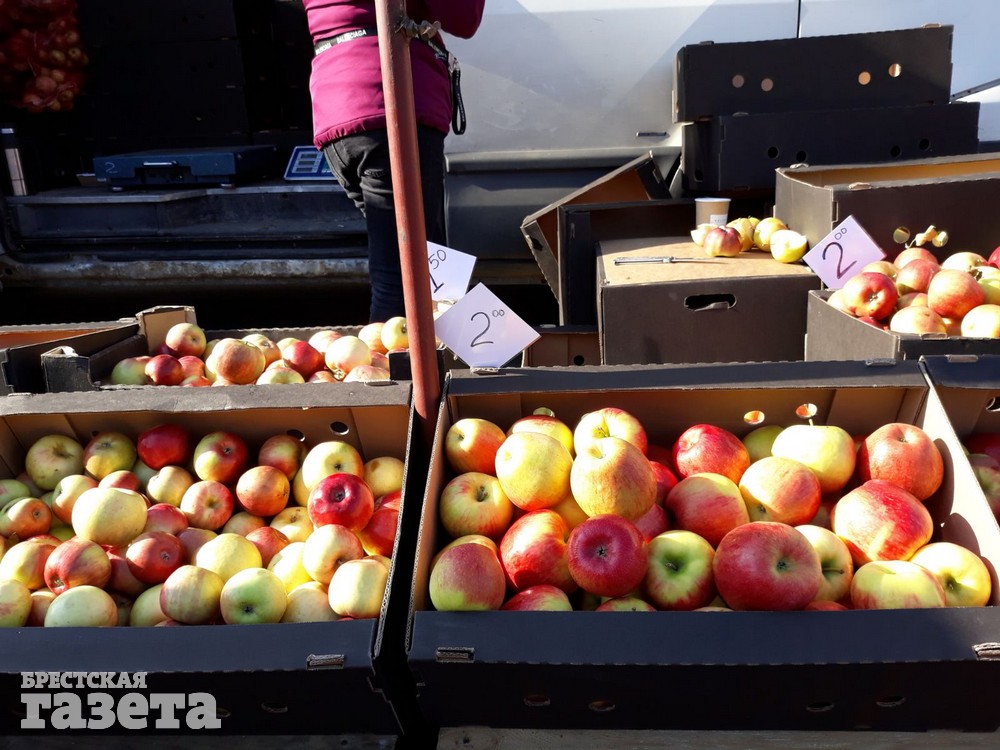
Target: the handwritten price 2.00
pixel 841 269
pixel 477 339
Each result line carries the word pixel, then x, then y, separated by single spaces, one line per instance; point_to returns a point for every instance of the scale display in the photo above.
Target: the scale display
pixel 308 163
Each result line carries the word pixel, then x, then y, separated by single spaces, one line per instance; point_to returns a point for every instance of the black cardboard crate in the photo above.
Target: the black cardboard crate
pixel 288 678
pixel 742 152
pixel 882 197
pixel 109 22
pixel 878 670
pixel 842 71
pixel 832 334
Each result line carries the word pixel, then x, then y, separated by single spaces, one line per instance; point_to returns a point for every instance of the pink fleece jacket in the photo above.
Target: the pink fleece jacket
pixel 346 80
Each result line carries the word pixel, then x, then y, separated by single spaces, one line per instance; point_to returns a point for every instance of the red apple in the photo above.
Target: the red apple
pixel 471 444
pixel 780 489
pixel 303 357
pixel 706 448
pixel 467 577
pixel 236 361
pixel 987 471
pixel 533 551
pixel 192 538
pixel 163 445
pixel 164 517
pixel 154 555
pixel 541 598
pixel 343 499
pixel 282 451
pixel 547 424
pixel 870 293
pixel 726 242
pixel 983 441
pixel 122 580
pixel 269 541
pixel 881 521
pixel 902 454
pixel 126 479
pixel 606 555
pixel 665 479
pixel 66 491
pixel 25 517
pixel 708 504
pixel 905 256
pixel 653 522
pixel 77 562
pixel 207 504
pixel 378 537
pixel 916 277
pixel 263 490
pixel 186 339
pixel 164 369
pixel 220 456
pixel 952 293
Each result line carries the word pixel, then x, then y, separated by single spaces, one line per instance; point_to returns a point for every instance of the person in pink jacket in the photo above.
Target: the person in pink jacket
pixel 349 120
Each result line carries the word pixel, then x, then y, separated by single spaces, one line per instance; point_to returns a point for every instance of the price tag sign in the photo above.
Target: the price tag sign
pixel 842 253
pixel 482 331
pixel 450 271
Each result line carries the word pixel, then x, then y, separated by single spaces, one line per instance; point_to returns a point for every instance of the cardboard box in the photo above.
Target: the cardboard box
pixel 745 309
pixel 741 152
pixel 944 191
pixel 564 346
pixel 901 670
pixel 842 71
pixel 289 678
pixel 832 334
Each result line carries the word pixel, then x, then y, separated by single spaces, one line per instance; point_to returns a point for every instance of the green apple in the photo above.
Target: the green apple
pixel 252 596
pixel 679 571
pixel 961 572
pixel 834 559
pixel 227 554
pixel 758 441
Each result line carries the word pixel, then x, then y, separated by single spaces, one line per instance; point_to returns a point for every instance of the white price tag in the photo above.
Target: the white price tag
pixel 450 271
pixel 842 253
pixel 482 330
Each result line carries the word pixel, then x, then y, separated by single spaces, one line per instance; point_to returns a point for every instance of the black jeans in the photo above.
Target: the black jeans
pixel 361 164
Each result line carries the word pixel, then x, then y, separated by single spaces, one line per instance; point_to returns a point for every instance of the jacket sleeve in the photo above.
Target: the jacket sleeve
pixel 459 18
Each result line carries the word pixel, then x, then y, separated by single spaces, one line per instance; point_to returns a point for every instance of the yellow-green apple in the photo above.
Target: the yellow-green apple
pixel 154 555
pixel 283 342
pixel 327 548
pixel 169 484
pixel 309 602
pixel 534 470
pixel 836 301
pixel 191 595
pixel 129 371
pixel 533 551
pixel 987 471
pixel 341 498
pixel 330 457
pixel 122 580
pixel 745 225
pixel 263 342
pixel 61 532
pixel 269 541
pixel 294 523
pixel 918 319
pixel 962 573
pixel 546 423
pixel 287 565
pixel 25 561
pixel 358 588
pixel 243 522
pixel 903 454
pixel 193 538
pixel 263 490
pixel 625 604
pixel 186 338
pixel 912 299
pixel 82 606
pixel 964 260
pixel 279 373
pixel 766 565
pixel 881 266
pixel 52 457
pixel 322 338
pixel 394 333
pixel 764 229
pixel 220 455
pixel 870 293
pixel 679 571
pixel 989 279
pixel 609 421
pixel 471 444
pixel 378 537
pixel 109 515
pixel 283 451
pixel 611 475
pixel 365 373
pixel 253 596
pixel 144 472
pixel 66 491
pixel 227 554
pixel 895 584
pixel 758 441
pixel 163 517
pixel 371 334
pixel 905 256
pixel 916 276
pixel 665 479
pixel 828 450
pixel 164 369
pixel 146 610
pixel 12 489
pixel 706 448
pixel 15 604
pixel 379 360
pixel 570 511
pixel 40 601
pixel 881 521
pixel 384 474
pixel 606 555
pixel 653 522
pixel 726 242
pixel 25 517
pixel 835 561
pixel 952 293
pixel 475 503
pixel 346 353
pixel 981 322
pixel 780 489
pixel 541 598
pixel 108 451
pixel 710 505
pixel 468 577
pixel 124 478
pixel 303 357
pixel 236 361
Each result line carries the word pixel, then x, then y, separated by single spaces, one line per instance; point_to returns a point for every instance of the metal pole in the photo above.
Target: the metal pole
pixel 397 81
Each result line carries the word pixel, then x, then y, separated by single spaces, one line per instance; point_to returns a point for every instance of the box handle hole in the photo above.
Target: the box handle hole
pixel 895 70
pixel 273 707
pixel 890 701
pixel 820 707
pixel 601 706
pixel 738 81
pixel 710 302
pixel 924 144
pixel 773 152
pixel 339 428
pixel 754 418
pixel 766 84
pixel 537 700
pixel 864 77
pixel 895 151
pixel 222 713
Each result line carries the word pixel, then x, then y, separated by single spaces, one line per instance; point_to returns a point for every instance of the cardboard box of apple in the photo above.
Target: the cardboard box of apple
pixel 643 522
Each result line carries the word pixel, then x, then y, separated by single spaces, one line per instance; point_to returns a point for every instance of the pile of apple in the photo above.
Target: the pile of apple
pixel 915 293
pixel 187 358
pixel 545 516
pixel 173 528
pixel 745 233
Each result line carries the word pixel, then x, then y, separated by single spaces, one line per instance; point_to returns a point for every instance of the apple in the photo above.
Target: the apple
pixel 745 226
pixel 366 373
pixel 243 522
pixel 109 515
pixel 154 555
pixel 836 301
pixel 186 339
pixel 726 242
pixel 606 555
pixel 570 511
pixel 394 334
pixel 227 554
pixel 371 334
pixel 908 254
pixel 268 541
pixel 107 452
pixel 163 517
pixel 303 357
pixel 82 606
pixel 964 260
pixel 384 474
pixel 52 457
pixel 144 473
pixel 912 299
pixel 983 441
pixel 470 577
pixel 129 371
pixel 358 587
pixel 987 471
pixel 916 276
pixel 193 538
pixel 65 493
pixel 221 456
pixel 881 521
pixel 191 595
pixel 294 522
pixel 990 282
pixel 341 498
pixel 279 375
pixel 828 450
pixel 329 457
pixel 533 470
pixel 15 604
pixel 327 548
pixel 666 480
pixel 122 580
pixel 146 610
pixel 952 293
pixel 25 562
pixel 378 537
pixel 881 266
pixel 611 475
pixel 286 563
pixel 263 490
pixel 780 489
pixel 706 448
pixel 546 423
pixel 253 596
pixel 40 601
pixel 164 369
pixel 346 353
pixel 917 319
pixel 236 361
pixel 870 293
pixel 471 444
pixel 710 505
pixel 902 454
pixel 981 322
pixel 962 573
pixel 76 562
pixel 309 602
pixel 533 551
pixel 895 584
pixel 192 367
pixel 163 445
pixel 764 229
pixel 651 523
pixel 766 565
pixel 282 451
pixel 679 571
pixel 124 478
pixel 12 489
pixel 25 517
pixel 759 440
pixel 625 604
pixel 541 598
pixel 195 381
pixel 835 562
pixel 475 503
pixel 270 349
pixel 609 421
pixel 169 484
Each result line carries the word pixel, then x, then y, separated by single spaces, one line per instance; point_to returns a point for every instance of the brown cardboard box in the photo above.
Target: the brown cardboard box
pixel 745 309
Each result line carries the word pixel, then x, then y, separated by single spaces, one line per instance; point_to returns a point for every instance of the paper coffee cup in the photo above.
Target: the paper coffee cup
pixel 711 211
